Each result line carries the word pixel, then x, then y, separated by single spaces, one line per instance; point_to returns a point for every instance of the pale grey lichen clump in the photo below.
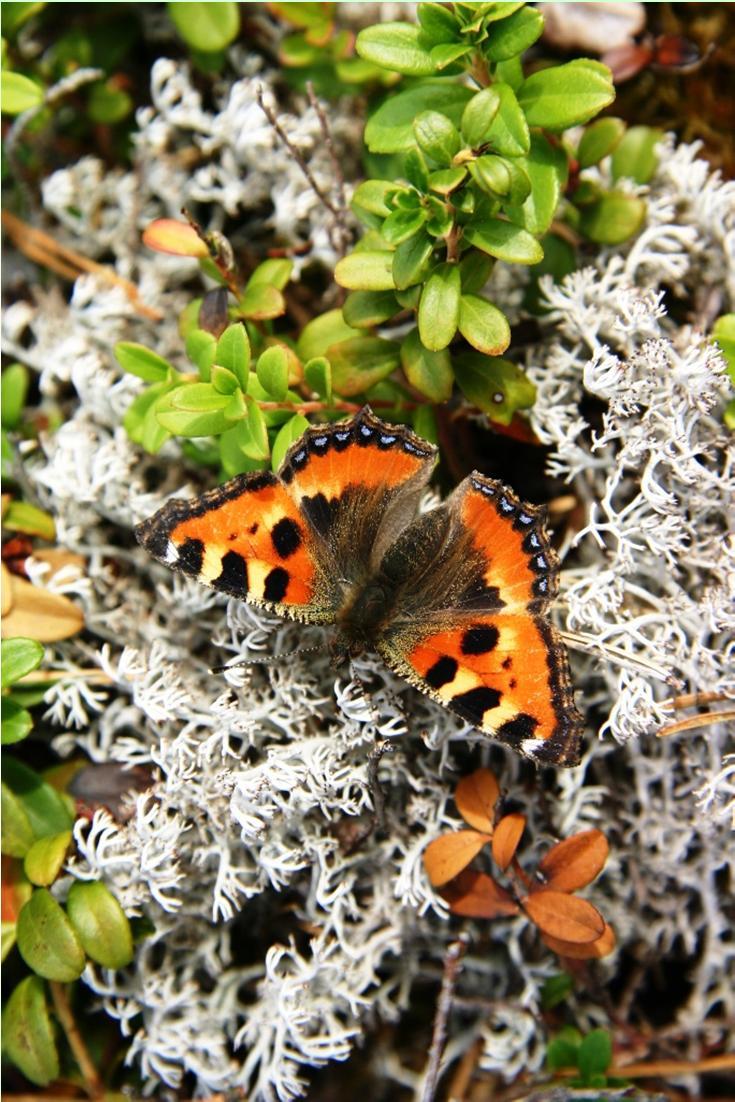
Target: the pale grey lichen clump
pixel 274 947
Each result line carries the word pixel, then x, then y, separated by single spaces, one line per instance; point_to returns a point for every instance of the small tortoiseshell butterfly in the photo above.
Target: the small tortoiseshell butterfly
pixel 454 599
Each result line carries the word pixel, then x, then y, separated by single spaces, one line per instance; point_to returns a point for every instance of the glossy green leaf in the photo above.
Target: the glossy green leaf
pixel 475 268
pixel 566 95
pixel 28 1034
pixel 546 167
pixel 287 435
pixel 262 302
pixel 635 156
pixel 390 128
pixel 438 313
pixel 396 46
pixel 508 133
pixel 16 723
pixel 478 115
pixel 201 348
pixel 365 271
pixel 255 441
pixel 429 372
pixel 483 326
pixel 15 14
pixel 100 923
pixel 325 330
pixel 411 260
pixel 13 391
pixel 599 140
pixel 365 309
pixel 274 272
pixel 17 832
pixel 22 516
pixel 272 372
pixel 504 240
pixel 175 413
pixel 438 23
pixel 496 386
pixel 108 104
pixel 723 332
pixel 19 93
pixel 233 352
pixel 555 990
pixel 45 808
pixel 424 423
pixel 491 174
pixel 19 657
pixel 446 54
pixel 206 26
pixel 403 224
pixel 44 860
pixel 318 376
pixel 138 360
pixel 140 421
pixel 360 363
pixel 561 1052
pixel 370 201
pixel 510 72
pixel 613 218
pixel 513 35
pixel 437 136
pixel 223 381
pixel 595 1054
pixel 445 180
pixel 47 940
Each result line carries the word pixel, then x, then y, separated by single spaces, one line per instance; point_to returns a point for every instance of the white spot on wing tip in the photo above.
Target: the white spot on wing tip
pixel 172 553
pixel 530 746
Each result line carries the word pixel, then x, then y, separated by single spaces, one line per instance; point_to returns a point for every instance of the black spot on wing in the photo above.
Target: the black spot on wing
pixel 234 576
pixel 442 672
pixel 473 704
pixel 286 537
pixel 320 512
pixel 191 554
pixel 481 598
pixel 276 584
pixel 480 639
pixel 515 731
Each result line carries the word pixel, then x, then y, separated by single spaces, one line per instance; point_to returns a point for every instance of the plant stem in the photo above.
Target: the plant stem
pixel 452 966
pixel 92 1081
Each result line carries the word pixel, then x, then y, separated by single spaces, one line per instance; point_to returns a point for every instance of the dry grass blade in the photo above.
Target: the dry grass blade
pixel 576 861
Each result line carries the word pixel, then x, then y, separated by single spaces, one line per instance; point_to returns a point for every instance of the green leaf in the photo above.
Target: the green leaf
pixel 108 104
pixel 445 55
pixel 223 381
pixel 274 272
pixel 262 302
pixel 437 22
pixel 17 832
pixel 13 390
pixel 599 140
pixel 322 332
pixel 505 241
pixel 508 133
pixel 365 309
pixel 424 424
pixel 255 441
pixel 475 268
pixel 496 386
pixel 45 808
pixel 272 372
pixel 595 1054
pixel 16 722
pixel 390 129
pixel 201 348
pixel 233 352
pixel 447 179
pixel 138 360
pixel 14 15
pixel 635 156
pixel 370 201
pixel 438 313
pixel 140 420
pixel 19 93
pixel 429 372
pixel 318 376
pixel 396 46
pixel 206 27
pixel 612 218
pixel 28 1035
pixel 546 167
pixel 19 657
pixel 287 435
pixel 723 332
pixel 555 990
pixel 365 271
pixel 411 260
pixel 21 516
pixel 193 410
pixel 232 458
pixel 566 95
pixel 437 136
pixel 45 858
pixel 491 174
pixel 360 363
pixel 729 415
pixel 47 940
pixel 478 116
pixel 100 923
pixel 510 72
pixel 562 1051
pixel 483 326
pixel 513 35
pixel 402 224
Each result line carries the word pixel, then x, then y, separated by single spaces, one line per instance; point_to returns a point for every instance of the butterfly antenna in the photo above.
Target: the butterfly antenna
pixel 268 659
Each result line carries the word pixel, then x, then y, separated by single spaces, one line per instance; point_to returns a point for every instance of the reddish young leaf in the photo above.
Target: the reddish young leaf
pixel 476 797
pixel 564 916
pixel 450 853
pixel 576 861
pixel 476 895
pixel 603 945
pixel 506 837
pixel 166 235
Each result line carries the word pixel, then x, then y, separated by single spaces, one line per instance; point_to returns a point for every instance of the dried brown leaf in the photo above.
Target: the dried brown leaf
pixel 7 590
pixel 38 614
pixel 576 861
pixel 506 836
pixel 450 853
pixel 601 947
pixel 564 916
pixel 476 895
pixel 476 797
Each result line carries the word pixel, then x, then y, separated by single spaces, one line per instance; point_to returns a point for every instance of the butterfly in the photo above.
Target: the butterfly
pixel 454 599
